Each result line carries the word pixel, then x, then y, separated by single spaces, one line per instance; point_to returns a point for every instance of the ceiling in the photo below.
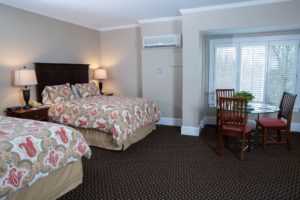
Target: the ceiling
pixel 107 14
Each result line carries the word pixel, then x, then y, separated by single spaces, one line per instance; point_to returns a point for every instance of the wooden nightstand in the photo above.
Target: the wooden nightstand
pixel 108 94
pixel 39 113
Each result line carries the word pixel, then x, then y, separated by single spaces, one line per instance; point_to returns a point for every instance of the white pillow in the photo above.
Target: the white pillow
pixel 75 91
pixel 45 97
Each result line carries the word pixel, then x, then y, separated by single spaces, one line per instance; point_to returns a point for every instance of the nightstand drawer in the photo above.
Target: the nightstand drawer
pixel 108 94
pixel 33 113
pixel 37 115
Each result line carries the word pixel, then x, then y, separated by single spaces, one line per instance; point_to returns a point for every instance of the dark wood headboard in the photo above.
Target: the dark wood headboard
pixel 59 73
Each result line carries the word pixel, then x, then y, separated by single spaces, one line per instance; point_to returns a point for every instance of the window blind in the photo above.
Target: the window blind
pixel 265 66
pixel 282 70
pixel 252 72
pixel 226 67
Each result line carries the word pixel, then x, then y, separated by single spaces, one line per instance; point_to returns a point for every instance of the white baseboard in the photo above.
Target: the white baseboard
pixel 169 121
pixel 209 120
pixel 189 130
pixel 185 130
pixel 195 131
pixel 295 127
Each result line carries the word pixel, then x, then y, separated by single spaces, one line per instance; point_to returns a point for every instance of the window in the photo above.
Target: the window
pixel 264 66
pixel 226 67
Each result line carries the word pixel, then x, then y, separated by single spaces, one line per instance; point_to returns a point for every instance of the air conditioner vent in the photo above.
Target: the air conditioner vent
pixel 162 41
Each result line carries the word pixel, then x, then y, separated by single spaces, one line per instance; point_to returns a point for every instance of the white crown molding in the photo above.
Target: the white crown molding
pixel 119 27
pixel 143 21
pixel 163 19
pixel 231 5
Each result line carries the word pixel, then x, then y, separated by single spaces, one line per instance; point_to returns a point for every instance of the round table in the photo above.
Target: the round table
pixel 262 108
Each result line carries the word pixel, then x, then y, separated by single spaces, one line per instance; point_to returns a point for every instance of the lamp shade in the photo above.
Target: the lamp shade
pixel 100 74
pixel 24 77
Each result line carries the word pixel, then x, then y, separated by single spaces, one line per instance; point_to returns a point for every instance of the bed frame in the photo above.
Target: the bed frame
pixel 69 176
pixel 59 73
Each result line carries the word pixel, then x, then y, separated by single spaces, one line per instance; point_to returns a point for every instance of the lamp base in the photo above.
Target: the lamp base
pixel 27 107
pixel 26 96
pixel 100 87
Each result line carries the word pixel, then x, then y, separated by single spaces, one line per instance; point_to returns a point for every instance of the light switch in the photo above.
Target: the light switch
pixel 158 70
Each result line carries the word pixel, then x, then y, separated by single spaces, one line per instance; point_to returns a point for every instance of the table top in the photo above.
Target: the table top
pixel 260 108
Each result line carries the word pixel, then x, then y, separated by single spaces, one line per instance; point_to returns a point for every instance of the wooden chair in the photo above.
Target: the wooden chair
pixel 233 123
pixel 221 93
pixel 281 123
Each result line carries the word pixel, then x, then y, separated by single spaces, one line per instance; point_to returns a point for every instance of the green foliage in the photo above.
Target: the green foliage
pixel 244 94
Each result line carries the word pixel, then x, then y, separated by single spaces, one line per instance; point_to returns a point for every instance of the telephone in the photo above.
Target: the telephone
pixel 14 108
pixel 35 103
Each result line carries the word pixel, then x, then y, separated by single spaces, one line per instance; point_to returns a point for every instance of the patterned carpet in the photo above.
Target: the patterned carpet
pixel 166 165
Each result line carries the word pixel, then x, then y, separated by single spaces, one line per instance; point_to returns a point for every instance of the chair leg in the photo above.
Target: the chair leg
pixel 242 150
pixel 220 144
pixel 265 136
pixel 288 139
pixel 249 144
pixel 278 136
pixel 256 134
pixel 217 124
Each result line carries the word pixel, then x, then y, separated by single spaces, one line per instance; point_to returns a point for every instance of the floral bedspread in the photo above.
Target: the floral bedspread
pixel 120 116
pixel 30 149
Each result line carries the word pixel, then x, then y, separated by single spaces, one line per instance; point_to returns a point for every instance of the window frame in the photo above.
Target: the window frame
pixel 255 40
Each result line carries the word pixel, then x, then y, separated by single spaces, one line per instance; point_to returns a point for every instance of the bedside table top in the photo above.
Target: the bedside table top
pixel 37 113
pixel 108 94
pixel 22 110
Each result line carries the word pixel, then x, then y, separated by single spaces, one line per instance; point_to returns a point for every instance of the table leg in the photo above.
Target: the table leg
pixel 257 130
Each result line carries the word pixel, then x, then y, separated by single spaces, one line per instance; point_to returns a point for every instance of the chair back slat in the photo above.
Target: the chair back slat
pixel 286 105
pixel 233 111
pixel 223 93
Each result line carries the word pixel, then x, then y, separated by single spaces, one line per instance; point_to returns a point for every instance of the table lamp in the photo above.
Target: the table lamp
pixel 25 77
pixel 100 74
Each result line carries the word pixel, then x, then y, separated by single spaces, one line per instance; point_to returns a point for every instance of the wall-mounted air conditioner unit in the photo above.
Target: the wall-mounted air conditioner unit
pixel 162 41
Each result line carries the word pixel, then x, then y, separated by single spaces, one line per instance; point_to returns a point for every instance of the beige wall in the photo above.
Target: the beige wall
pixel 264 17
pixel 120 55
pixel 162 70
pixel 133 70
pixel 27 38
pixel 181 92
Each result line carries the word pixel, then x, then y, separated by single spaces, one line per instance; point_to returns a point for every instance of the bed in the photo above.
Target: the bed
pixel 130 119
pixel 34 155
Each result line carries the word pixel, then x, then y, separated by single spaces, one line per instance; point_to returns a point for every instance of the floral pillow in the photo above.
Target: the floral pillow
pixel 59 93
pixel 87 89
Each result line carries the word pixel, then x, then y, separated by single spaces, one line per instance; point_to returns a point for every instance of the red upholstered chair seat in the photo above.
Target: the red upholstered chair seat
pixel 280 126
pixel 271 122
pixel 237 129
